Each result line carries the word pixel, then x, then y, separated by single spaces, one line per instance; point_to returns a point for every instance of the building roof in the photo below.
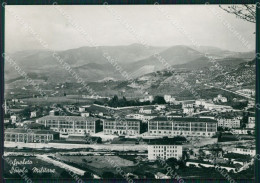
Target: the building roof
pixel 16 130
pixel 68 118
pixel 238 157
pixel 45 132
pixel 251 115
pixel 184 119
pixel 174 114
pixel 123 119
pixel 147 107
pixel 164 143
pixel 188 102
pixel 167 141
pixel 208 163
pixel 244 147
pixel 159 174
pixel 22 130
pixel 33 125
pixel 153 114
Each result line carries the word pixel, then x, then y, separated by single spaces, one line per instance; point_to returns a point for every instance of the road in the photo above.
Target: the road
pixel 112 147
pixel 237 93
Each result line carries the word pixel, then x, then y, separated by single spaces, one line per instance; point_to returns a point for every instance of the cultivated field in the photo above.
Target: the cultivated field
pixel 96 164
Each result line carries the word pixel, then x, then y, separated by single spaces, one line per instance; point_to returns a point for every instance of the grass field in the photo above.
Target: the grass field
pixel 59 100
pixel 97 164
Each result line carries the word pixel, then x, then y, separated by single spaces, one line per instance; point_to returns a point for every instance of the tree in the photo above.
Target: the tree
pixel 245 12
pixel 26 112
pixel 65 174
pixel 115 99
pixel 113 102
pixel 172 162
pixel 191 152
pixel 220 129
pixel 158 100
pixel 149 175
pixel 185 155
pixel 201 154
pixel 87 175
pixel 108 175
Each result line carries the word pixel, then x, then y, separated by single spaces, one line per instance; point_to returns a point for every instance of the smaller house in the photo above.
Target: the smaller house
pixel 84 114
pixel 200 164
pixel 244 150
pixel 7 120
pixel 145 111
pixel 251 122
pixel 160 175
pixel 34 114
pixel 220 98
pixel 13 118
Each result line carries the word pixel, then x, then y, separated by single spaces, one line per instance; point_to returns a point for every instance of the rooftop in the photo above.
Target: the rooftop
pixel 122 119
pixel 208 163
pixel 21 130
pixel 68 118
pixel 244 147
pixel 154 114
pixel 184 119
pixel 174 114
pixel 238 157
pixel 167 141
pixel 188 102
pixel 164 143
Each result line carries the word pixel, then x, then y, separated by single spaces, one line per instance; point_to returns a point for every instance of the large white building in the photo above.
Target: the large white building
pixel 164 151
pixel 243 131
pixel 188 110
pixel 188 107
pixel 229 122
pixel 121 127
pixel 143 117
pixel 209 105
pixel 251 122
pixel 244 150
pixel 186 126
pixel 219 108
pixel 14 118
pixel 169 99
pixel 146 111
pixel 71 124
pixel 147 98
pixel 28 136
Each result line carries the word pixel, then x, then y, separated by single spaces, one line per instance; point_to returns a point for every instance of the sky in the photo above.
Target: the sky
pixel 156 25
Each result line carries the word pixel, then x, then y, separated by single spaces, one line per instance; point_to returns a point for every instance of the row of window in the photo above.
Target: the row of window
pixel 168 155
pixel 122 124
pixel 158 151
pixel 177 133
pixel 73 130
pixel 66 122
pixel 121 131
pixel 162 146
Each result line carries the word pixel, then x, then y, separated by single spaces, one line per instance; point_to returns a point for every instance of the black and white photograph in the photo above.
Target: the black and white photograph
pixel 130 92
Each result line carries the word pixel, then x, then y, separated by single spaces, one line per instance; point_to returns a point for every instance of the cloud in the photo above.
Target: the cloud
pixel 105 29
